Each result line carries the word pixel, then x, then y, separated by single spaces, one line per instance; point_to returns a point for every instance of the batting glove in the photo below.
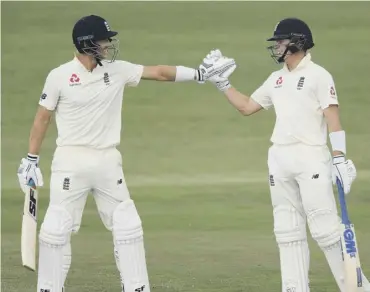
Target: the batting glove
pixel 217 69
pixel 29 172
pixel 345 171
pixel 214 54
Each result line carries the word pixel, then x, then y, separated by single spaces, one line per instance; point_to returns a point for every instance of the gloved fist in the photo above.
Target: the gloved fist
pixel 217 69
pixel 345 171
pixel 29 171
pixel 214 54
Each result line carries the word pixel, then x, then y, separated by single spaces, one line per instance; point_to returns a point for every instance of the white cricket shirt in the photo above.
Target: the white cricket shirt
pixel 299 98
pixel 87 104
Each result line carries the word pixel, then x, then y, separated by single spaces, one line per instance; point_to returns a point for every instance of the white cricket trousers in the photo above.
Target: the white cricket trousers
pixel 300 178
pixel 302 192
pixel 77 171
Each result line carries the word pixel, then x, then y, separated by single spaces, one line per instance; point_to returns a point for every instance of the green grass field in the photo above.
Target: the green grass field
pixel 195 167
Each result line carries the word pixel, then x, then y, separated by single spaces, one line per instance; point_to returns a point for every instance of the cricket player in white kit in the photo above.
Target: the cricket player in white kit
pixel 86 96
pixel 301 167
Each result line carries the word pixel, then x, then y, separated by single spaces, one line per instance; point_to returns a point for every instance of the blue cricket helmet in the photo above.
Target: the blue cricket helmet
pixel 88 31
pixel 295 30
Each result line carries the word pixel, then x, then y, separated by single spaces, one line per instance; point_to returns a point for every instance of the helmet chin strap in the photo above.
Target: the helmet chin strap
pixel 98 61
pixel 282 57
pixel 291 49
pixel 97 58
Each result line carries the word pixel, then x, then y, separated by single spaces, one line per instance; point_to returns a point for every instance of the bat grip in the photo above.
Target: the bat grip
pixel 343 204
pixel 31 183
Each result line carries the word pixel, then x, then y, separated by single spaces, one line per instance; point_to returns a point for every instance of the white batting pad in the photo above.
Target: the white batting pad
pixel 67 259
pixel 116 257
pixel 54 235
pixel 291 236
pixel 289 225
pixel 333 256
pixel 294 266
pixel 128 239
pixel 324 226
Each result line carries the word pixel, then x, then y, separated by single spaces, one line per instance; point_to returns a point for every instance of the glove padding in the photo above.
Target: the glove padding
pixel 217 68
pixel 216 54
pixel 29 171
pixel 345 171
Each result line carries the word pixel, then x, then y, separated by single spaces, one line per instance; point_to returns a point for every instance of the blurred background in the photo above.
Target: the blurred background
pixel 195 167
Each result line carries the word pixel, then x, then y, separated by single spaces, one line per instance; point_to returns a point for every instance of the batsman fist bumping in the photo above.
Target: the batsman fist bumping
pixel 86 96
pixel 300 164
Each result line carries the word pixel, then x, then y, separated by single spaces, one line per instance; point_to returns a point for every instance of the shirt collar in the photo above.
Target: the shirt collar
pixel 81 66
pixel 303 63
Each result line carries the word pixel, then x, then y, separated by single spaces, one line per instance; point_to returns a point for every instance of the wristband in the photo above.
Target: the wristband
pixel 187 74
pixel 338 159
pixel 338 141
pixel 32 158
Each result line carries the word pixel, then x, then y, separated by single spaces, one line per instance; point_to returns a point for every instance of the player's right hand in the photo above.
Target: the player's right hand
pixel 345 171
pixel 217 68
pixel 214 54
pixel 29 171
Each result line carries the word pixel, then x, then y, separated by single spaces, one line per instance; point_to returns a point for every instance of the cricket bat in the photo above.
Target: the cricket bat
pixel 29 227
pixel 350 254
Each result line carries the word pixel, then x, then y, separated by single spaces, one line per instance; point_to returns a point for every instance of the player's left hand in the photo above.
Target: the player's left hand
pixel 345 171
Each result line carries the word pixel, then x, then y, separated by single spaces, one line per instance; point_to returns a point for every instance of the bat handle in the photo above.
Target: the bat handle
pixel 31 183
pixel 343 204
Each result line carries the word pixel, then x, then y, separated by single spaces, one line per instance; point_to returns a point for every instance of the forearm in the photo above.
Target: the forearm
pixel 238 100
pixel 37 134
pixel 166 73
pixel 334 125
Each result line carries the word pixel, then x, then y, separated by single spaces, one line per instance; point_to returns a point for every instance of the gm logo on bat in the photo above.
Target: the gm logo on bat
pixel 32 205
pixel 349 237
